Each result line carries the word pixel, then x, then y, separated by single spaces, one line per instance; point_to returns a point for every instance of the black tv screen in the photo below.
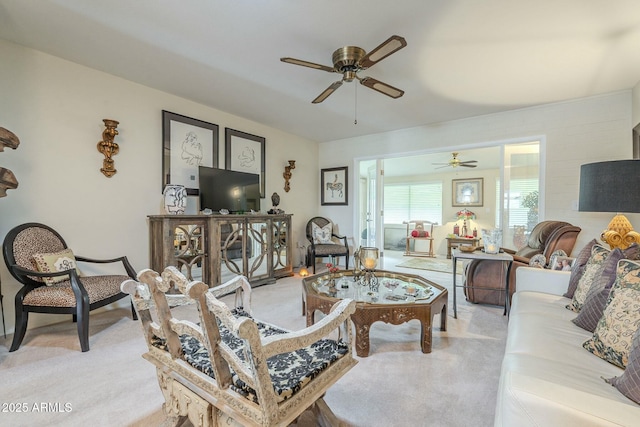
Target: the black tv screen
pixel 237 192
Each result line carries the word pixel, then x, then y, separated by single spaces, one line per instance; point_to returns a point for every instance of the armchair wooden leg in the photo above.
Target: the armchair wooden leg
pixel 83 326
pixel 20 328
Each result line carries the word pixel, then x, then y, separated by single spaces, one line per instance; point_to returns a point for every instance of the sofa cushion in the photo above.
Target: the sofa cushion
pixel 547 379
pixel 612 337
pixel 598 294
pixel 592 272
pixel 579 264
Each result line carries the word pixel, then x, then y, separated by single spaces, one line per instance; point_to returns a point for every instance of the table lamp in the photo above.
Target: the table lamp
pixel 610 187
pixel 464 215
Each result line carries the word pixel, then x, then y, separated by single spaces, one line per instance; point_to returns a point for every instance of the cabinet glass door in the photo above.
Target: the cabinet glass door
pixel 189 250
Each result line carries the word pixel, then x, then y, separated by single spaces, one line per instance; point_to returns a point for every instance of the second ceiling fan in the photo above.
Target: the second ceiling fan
pixel 349 60
pixel 455 162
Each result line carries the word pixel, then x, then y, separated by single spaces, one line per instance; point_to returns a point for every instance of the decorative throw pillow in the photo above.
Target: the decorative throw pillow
pixel 629 382
pixel 322 235
pixel 54 262
pixel 592 272
pixel 598 295
pixel 538 261
pixel 577 270
pixel 611 340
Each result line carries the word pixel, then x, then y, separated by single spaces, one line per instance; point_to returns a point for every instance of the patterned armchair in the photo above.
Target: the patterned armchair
pixel 321 236
pixel 38 257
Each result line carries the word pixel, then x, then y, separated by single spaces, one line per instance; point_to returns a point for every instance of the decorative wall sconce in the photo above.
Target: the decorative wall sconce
pixel 287 174
pixel 108 147
pixel 8 180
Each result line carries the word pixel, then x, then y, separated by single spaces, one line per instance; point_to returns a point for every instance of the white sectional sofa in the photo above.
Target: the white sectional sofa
pixel 548 378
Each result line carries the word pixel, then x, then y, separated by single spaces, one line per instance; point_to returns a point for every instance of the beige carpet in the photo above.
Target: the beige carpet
pixel 397 385
pixel 434 264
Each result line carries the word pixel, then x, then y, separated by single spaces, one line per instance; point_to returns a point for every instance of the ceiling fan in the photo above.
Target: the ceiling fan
pixel 455 162
pixel 349 60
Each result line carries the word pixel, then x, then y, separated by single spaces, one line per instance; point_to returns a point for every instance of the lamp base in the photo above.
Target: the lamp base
pixel 620 233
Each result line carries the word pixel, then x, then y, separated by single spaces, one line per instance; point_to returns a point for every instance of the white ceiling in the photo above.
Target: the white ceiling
pixel 464 58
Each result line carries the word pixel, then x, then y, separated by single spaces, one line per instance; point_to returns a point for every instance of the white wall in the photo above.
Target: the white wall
pixel 636 105
pixel 572 133
pixel 56 109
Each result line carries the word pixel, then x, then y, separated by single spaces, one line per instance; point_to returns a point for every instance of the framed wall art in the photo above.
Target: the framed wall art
pixel 187 143
pixel 245 153
pixel 467 192
pixel 334 186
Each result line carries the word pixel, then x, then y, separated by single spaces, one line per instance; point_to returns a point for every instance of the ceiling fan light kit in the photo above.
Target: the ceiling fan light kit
pixel 349 60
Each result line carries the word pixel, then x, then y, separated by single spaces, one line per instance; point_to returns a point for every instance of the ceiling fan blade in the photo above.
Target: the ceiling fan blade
pixel 328 91
pixel 389 46
pixel 467 166
pixel 308 64
pixel 468 161
pixel 388 90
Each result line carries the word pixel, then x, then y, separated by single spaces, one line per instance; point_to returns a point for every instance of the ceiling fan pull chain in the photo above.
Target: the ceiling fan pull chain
pixel 355 108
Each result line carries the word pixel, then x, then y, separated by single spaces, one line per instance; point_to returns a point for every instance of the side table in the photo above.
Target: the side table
pixel 453 242
pixel 502 257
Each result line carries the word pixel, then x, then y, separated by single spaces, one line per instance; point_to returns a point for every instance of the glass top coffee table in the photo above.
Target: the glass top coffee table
pixel 400 297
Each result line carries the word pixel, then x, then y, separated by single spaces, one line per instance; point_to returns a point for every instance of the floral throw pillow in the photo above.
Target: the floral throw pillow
pixel 598 294
pixel 579 264
pixel 592 272
pixel 322 235
pixel 54 262
pixel 629 382
pixel 611 341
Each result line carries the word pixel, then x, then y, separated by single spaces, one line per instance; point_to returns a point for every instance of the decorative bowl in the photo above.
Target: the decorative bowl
pixel 467 248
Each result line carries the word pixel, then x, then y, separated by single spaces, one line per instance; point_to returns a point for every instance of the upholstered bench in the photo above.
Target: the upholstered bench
pixel 259 374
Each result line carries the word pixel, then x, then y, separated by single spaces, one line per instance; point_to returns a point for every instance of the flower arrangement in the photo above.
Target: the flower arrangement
pixel 332 268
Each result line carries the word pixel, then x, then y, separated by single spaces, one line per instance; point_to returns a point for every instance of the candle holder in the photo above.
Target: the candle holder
pixel 369 261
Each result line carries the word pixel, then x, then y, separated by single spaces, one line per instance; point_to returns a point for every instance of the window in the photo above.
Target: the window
pixel 520 203
pixel 403 202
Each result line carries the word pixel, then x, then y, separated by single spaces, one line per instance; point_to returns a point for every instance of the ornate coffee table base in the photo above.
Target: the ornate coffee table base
pixel 396 314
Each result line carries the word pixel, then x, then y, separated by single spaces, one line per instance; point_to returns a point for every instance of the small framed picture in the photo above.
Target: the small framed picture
pixel 467 192
pixel 334 186
pixel 562 263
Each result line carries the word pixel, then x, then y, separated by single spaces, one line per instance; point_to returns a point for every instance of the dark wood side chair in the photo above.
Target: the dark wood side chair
pixel 321 250
pixel 73 295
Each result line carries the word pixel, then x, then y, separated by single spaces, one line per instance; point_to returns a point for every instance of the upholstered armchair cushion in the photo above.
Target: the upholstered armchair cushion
pixel 289 371
pixel 61 294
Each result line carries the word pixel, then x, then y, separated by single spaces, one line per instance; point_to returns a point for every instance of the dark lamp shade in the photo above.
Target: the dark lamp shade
pixel 610 187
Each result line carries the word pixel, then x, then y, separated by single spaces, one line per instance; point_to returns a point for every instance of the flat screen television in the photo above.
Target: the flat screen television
pixel 237 192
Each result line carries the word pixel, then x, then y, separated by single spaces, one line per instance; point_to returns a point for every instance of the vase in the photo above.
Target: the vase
pixel 175 199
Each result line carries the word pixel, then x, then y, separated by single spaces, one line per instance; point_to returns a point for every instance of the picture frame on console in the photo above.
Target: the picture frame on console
pixel 245 152
pixel 187 143
pixel 467 192
pixel 561 263
pixel 334 187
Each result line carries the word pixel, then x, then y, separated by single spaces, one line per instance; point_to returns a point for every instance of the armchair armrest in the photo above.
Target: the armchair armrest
pixel 542 280
pixel 125 262
pixel 292 341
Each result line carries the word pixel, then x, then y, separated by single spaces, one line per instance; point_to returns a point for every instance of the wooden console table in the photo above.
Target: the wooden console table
pixel 454 242
pixel 213 248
